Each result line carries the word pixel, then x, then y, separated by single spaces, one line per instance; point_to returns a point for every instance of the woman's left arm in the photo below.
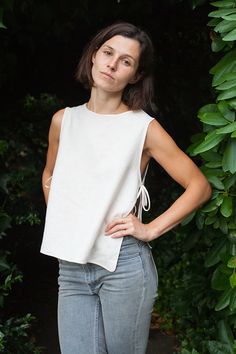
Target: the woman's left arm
pixel 183 170
pixel 160 146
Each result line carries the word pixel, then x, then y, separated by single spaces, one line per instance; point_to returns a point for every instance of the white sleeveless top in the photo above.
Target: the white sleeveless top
pixel 96 178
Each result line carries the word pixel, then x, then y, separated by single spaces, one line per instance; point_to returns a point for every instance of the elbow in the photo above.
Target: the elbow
pixel 208 191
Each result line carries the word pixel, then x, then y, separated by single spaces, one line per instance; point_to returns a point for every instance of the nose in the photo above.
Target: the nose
pixel 112 65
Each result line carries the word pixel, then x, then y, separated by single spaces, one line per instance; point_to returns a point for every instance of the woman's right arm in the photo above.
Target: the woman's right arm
pixel 53 143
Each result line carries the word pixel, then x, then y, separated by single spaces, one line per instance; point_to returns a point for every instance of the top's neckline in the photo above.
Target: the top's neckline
pixel 105 114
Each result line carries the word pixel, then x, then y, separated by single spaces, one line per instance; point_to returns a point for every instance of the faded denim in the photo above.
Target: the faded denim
pixel 102 312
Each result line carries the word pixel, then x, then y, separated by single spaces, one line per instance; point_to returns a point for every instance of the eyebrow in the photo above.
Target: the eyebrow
pixel 125 55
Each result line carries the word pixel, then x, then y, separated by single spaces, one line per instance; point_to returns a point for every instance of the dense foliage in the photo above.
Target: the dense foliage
pixel 202 277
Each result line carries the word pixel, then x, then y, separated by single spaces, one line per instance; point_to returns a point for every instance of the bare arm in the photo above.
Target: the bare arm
pixel 53 142
pixel 182 169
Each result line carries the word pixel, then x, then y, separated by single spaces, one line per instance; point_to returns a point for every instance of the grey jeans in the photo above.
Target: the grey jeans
pixel 102 312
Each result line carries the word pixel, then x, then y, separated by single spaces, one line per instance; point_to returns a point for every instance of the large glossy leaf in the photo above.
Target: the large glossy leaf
pixel 225 66
pixel 212 107
pixel 229 181
pixel 227 129
pixel 220 279
pixel 231 75
pixel 224 300
pixel 227 85
pixel 213 256
pixel 211 140
pixel 217 44
pixel 232 103
pixel 225 333
pixel 225 26
pixel 226 207
pixel 223 12
pixel 229 157
pixel 230 93
pixel 216 182
pixel 211 156
pixel 226 111
pixel 223 3
pixel 231 36
pixel 231 17
pixel 212 119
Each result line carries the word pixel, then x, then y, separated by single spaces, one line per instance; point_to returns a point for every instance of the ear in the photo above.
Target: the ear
pixel 135 78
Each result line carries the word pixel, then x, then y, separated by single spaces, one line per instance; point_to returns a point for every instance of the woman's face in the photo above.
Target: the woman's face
pixel 115 64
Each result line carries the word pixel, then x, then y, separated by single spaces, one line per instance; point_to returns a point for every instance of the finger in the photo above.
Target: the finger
pixel 115 222
pixel 121 233
pixel 119 227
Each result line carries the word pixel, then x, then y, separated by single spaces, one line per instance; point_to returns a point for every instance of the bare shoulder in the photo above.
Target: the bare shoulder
pixel 55 127
pixel 157 137
pixel 57 118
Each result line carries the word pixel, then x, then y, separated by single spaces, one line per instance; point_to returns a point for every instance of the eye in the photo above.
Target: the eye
pixel 126 62
pixel 107 52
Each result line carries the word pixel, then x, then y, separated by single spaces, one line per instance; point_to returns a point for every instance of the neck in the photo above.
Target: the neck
pixel 104 103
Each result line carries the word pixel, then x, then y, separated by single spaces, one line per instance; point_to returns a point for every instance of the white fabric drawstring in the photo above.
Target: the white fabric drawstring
pixel 144 202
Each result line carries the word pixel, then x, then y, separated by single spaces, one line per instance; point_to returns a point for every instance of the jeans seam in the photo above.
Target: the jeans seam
pixel 96 329
pixel 140 305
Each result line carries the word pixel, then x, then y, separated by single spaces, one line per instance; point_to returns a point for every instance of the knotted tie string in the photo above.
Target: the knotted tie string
pixel 144 202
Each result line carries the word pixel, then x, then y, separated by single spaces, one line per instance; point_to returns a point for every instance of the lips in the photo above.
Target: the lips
pixel 108 75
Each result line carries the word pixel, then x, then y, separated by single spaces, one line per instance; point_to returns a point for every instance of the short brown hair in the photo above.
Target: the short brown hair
pixel 138 95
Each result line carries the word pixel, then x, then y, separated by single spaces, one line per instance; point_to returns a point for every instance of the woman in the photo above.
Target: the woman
pixel 97 159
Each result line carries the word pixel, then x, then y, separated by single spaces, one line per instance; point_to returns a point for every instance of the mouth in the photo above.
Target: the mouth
pixel 107 75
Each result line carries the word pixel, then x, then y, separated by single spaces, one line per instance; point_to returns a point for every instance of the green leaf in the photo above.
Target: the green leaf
pixel 220 279
pixel 220 13
pixel 211 140
pixel 213 256
pixel 214 164
pixel 232 262
pixel 229 157
pixel 231 17
pixel 232 103
pixel 225 26
pixel 232 280
pixel 226 207
pixel 227 85
pixel 227 94
pixel 216 182
pixel 224 226
pixel 217 44
pixel 215 347
pixel 224 300
pixel 225 333
pixel 224 66
pixel 188 219
pixel 224 3
pixel 213 22
pixel 229 181
pixel 224 62
pixel 231 36
pixel 224 108
pixel 212 118
pixel 233 135
pixel 232 303
pixel 211 156
pixel 210 206
pixel 229 128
